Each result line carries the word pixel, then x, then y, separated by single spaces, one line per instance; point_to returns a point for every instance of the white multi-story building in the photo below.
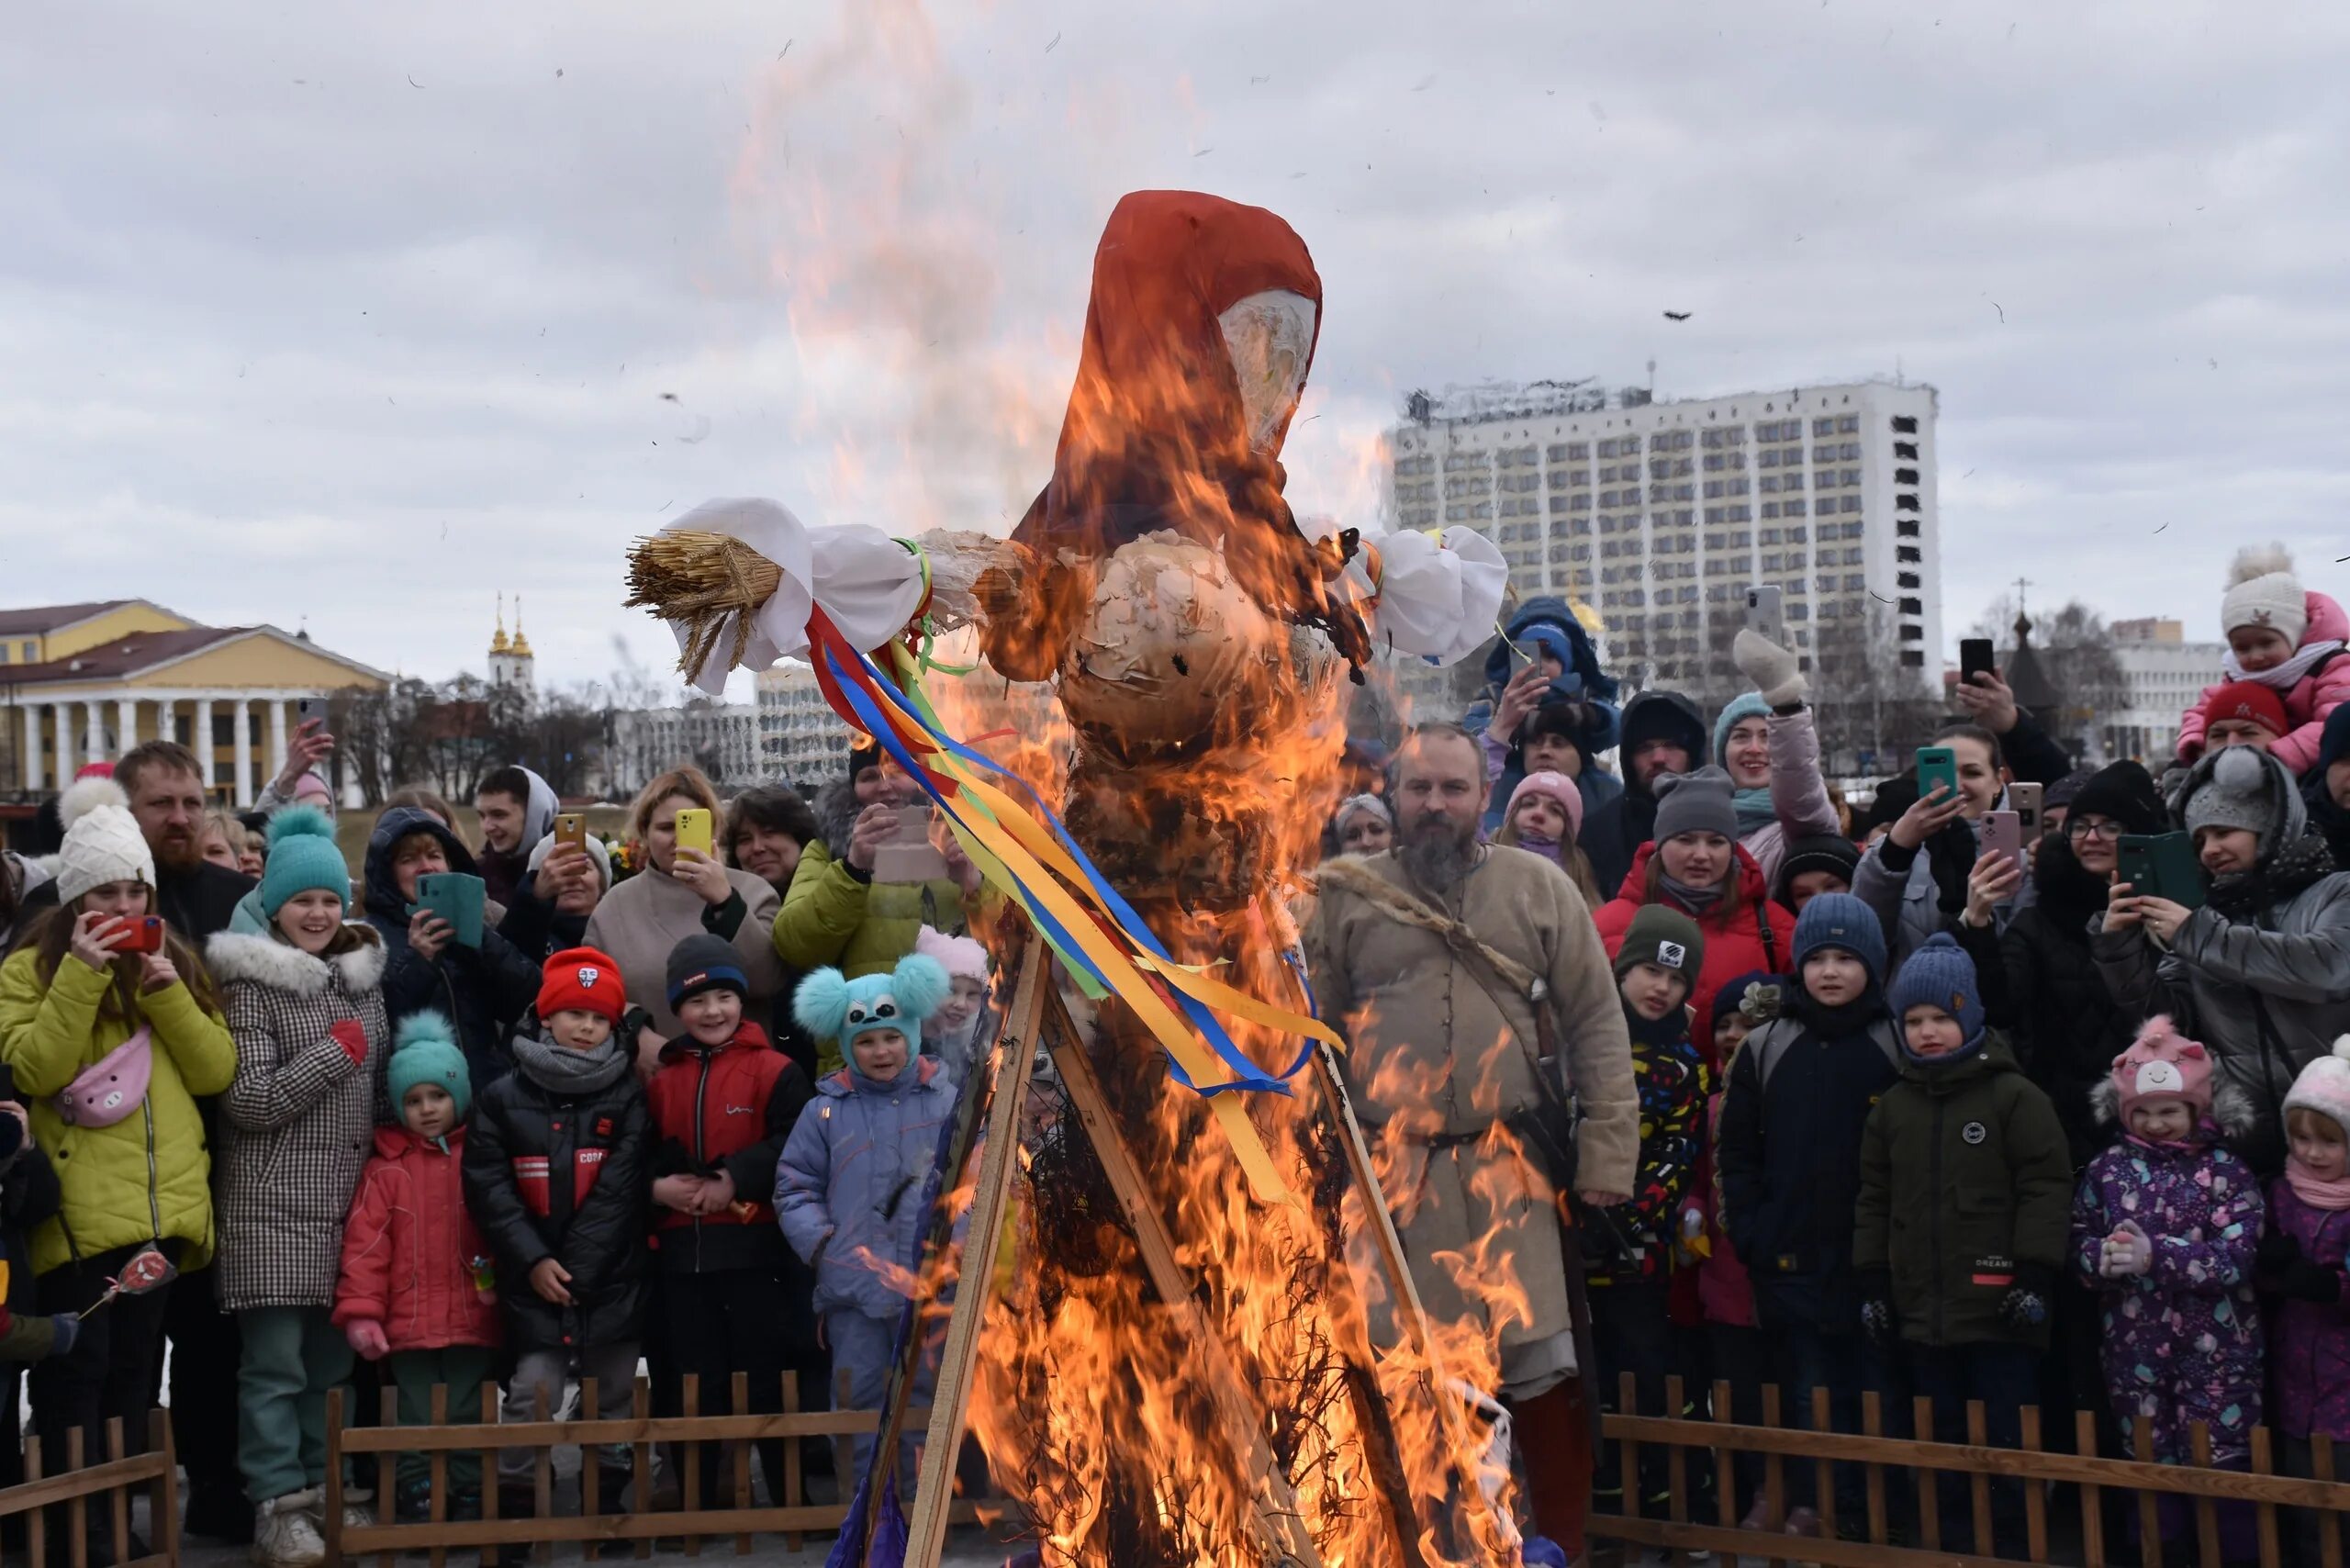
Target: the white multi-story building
pixel 1661 515
pixel 805 741
pixel 2163 674
pixel 720 738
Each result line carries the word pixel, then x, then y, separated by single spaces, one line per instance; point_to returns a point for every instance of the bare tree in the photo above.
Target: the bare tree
pixel 1871 707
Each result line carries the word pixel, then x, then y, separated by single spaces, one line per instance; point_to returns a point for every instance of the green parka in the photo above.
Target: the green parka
pixel 1966 1189
pixel 147 1177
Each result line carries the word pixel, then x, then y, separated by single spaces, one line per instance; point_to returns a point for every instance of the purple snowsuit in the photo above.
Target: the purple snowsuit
pixel 2182 1340
pixel 2311 1354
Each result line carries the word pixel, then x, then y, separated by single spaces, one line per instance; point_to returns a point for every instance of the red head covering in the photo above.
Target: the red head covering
pixel 2249 699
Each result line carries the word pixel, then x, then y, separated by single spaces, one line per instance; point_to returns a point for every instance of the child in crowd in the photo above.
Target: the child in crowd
pixel 2284 638
pixel 2165 1223
pixel 1545 815
pixel 1970 1153
pixel 305 1003
pixel 723 1102
pixel 1627 1249
pixel 849 1188
pixel 2305 1259
pixel 416 1285
pixel 959 1032
pixel 1789 1154
pixel 558 1175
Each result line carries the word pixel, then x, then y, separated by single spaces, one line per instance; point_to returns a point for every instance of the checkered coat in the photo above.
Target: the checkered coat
pixel 299 1120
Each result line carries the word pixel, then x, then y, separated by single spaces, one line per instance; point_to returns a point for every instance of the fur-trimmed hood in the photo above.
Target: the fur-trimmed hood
pixel 2233 1110
pixel 264 960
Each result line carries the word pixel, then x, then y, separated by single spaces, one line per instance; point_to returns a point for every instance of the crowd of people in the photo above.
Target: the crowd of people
pixel 1642 1010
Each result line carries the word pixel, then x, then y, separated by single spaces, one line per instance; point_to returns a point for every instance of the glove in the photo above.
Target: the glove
pixel 2024 1308
pixel 352 1036
pixel 66 1327
pixel 2127 1253
pixel 1877 1321
pixel 1770 668
pixel 2305 1281
pixel 367 1337
pixel 2278 1253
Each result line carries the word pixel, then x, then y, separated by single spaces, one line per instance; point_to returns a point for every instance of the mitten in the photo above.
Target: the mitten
pixel 2024 1308
pixel 2127 1253
pixel 352 1036
pixel 2278 1251
pixel 1877 1320
pixel 2305 1281
pixel 1770 668
pixel 367 1337
pixel 66 1327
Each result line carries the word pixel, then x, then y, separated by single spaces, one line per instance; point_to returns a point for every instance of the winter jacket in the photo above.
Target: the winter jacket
pixel 1759 936
pixel 298 1118
pixel 29 1194
pixel 2181 1343
pixel 1612 833
pixel 1584 682
pixel 1965 1181
pixel 1800 803
pixel 1505 770
pixel 147 1177
pixel 409 1246
pixel 1724 1293
pixel 726 1110
pixel 1635 1240
pixel 1789 1155
pixel 483 990
pixel 641 922
pixel 2317 796
pixel 848 1190
pixel 2309 1347
pixel 839 915
pixel 568 1177
pixel 2307 702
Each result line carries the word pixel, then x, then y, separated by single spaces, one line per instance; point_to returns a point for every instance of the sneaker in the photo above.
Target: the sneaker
pixel 1802 1521
pixel 284 1535
pixel 1758 1518
pixel 412 1503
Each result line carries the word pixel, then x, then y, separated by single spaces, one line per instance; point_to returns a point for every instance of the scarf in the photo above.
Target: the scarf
pixel 1697 902
pixel 2318 1192
pixel 2070 894
pixel 1754 809
pixel 1836 1023
pixel 559 1070
pixel 1660 1036
pixel 1544 846
pixel 2289 674
pixel 2295 866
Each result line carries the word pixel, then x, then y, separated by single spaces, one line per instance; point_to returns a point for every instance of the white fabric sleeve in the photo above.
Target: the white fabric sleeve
pixel 1440 598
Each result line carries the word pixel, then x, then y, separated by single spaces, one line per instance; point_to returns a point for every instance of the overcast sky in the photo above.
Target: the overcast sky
pixel 363 314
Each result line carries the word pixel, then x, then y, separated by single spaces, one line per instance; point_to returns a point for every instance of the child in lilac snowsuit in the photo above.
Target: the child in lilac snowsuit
pixel 2165 1223
pixel 2305 1259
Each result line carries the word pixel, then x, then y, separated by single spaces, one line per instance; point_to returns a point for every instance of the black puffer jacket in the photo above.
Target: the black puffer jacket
pixel 483 990
pixel 570 1178
pixel 1612 834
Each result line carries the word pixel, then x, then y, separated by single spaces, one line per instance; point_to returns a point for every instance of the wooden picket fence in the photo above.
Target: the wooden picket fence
pixel 1894 1463
pixel 793 1517
pixel 116 1478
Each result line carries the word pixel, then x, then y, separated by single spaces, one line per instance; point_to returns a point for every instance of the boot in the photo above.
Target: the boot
pixel 285 1535
pixel 515 1500
pixel 611 1488
pixel 1554 1438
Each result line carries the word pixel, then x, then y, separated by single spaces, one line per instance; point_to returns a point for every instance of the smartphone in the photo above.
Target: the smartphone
pixel 145 935
pixel 2025 799
pixel 2002 830
pixel 2161 866
pixel 571 828
pixel 456 898
pixel 1974 658
pixel 1767 614
pixel 910 857
pixel 309 708
pixel 1937 765
pixel 694 830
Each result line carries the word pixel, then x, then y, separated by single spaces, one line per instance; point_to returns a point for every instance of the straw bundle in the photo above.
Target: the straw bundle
pixel 701 580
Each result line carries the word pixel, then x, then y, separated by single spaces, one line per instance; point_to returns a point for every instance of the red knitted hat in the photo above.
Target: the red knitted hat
pixel 2249 699
pixel 582 979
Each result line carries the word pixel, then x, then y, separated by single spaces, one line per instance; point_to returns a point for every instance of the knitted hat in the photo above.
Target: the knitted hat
pixel 703 962
pixel 1740 708
pixel 2248 699
pixel 2163 1064
pixel 2263 592
pixel 1939 974
pixel 2324 1087
pixel 2230 790
pixel 303 854
pixel 1354 804
pixel 961 956
pixel 1828 852
pixel 2062 793
pixel 102 843
pixel 1556 788
pixel 863 753
pixel 424 1050
pixel 1694 803
pixel 1839 920
pixel 1754 996
pixel 581 979
pixel 832 1007
pixel 2123 792
pixel 1665 938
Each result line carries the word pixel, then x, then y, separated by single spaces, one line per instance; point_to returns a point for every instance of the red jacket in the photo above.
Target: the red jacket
pixel 1759 936
pixel 725 1110
pixel 409 1246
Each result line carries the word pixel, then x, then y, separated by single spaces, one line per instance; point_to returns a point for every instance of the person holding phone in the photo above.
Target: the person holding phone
pixel 301 779
pixel 1547 708
pixel 2263 968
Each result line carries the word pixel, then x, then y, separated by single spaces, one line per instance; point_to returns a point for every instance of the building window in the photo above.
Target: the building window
pixel 1848 424
pixel 1823 426
pixel 1913 658
pixel 1906 449
pixel 1904 476
pixel 1913 634
pixel 1906 579
pixel 1913 607
pixel 1849 476
pixel 1904 425
pixel 1909 554
pixel 1845 503
pixel 1905 502
pixel 1769 510
pixel 1906 526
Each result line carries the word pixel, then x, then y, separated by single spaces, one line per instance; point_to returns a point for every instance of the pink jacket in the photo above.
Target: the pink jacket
pixel 2307 704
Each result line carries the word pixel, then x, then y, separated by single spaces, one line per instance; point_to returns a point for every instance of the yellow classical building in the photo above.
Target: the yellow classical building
pixel 80 682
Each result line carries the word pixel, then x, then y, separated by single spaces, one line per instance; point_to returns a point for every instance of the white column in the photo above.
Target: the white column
pixel 30 756
pixel 240 736
pixel 65 763
pixel 202 736
pixel 277 759
pixel 98 727
pixel 125 721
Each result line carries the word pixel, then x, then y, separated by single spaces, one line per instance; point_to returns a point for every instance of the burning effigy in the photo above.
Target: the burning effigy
pixel 1200 1351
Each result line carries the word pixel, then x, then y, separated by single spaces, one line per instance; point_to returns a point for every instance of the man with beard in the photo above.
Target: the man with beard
pixel 1662 733
pixel 196 899
pixel 1449 1062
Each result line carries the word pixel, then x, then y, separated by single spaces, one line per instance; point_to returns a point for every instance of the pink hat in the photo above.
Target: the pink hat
pixel 2163 1064
pixel 959 956
pixel 1557 787
pixel 2324 1086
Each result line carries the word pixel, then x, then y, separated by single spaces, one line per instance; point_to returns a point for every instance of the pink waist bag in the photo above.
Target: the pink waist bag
pixel 109 1089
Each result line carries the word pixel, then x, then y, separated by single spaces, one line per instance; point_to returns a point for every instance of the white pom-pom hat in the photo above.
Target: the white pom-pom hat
pixel 102 843
pixel 2263 592
pixel 2324 1087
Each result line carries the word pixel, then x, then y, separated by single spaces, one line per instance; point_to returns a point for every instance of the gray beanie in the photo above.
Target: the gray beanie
pixel 1694 803
pixel 2235 792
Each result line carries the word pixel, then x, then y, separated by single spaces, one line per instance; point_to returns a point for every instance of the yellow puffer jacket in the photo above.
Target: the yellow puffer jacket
pixel 147 1177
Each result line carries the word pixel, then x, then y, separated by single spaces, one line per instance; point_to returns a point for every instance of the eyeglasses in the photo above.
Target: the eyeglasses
pixel 2108 831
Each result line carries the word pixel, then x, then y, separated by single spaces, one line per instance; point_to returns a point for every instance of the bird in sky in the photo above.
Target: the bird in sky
pixel 1676 315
